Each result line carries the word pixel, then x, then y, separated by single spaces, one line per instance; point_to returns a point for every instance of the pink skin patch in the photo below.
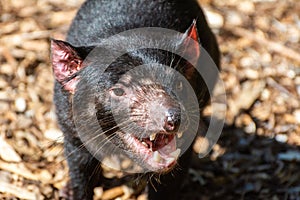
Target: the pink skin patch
pixel 65 62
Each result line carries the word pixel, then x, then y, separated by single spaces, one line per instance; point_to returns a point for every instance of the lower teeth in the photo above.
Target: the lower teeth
pixel 156 156
pixel 173 156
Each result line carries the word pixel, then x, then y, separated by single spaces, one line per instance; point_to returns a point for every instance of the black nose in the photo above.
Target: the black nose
pixel 172 120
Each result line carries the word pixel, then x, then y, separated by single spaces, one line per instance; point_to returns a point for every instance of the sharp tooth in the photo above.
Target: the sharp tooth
pixel 170 160
pixel 152 136
pixel 145 144
pixel 156 156
pixel 175 153
pixel 179 134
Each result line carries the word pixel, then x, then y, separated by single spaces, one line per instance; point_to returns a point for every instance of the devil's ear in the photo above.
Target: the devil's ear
pixel 67 60
pixel 190 47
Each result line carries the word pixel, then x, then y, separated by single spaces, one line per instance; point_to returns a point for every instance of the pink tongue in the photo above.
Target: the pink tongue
pixel 169 148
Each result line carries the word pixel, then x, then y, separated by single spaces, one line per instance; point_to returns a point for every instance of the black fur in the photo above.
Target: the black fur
pixel 98 19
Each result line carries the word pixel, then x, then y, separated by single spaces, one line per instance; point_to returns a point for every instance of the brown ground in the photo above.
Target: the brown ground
pixel 257 156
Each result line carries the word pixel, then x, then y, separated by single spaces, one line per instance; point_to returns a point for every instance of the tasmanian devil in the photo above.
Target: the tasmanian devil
pixel 137 111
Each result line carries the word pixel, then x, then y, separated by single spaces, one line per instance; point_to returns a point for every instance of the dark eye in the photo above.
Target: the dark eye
pixel 179 85
pixel 118 91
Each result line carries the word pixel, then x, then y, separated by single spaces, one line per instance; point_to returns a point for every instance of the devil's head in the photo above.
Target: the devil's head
pixel 138 97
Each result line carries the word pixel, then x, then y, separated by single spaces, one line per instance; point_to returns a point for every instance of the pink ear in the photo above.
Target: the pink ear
pixel 191 45
pixel 65 62
pixel 192 31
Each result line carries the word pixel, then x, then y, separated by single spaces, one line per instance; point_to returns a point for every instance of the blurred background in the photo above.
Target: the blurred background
pixel 258 154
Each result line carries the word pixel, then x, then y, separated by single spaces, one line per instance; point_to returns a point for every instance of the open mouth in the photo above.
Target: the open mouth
pixel 158 152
